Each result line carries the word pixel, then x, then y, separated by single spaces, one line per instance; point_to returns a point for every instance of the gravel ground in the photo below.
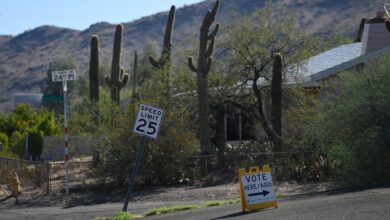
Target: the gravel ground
pixel 155 194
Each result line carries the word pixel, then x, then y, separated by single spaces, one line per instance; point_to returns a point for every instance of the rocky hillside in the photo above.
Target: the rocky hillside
pixel 24 58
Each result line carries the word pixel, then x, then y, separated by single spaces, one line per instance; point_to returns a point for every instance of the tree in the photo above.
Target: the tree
pixel 25 121
pixel 352 126
pixel 253 41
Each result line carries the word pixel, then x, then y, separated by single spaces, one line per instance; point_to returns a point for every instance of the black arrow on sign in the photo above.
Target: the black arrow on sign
pixel 264 193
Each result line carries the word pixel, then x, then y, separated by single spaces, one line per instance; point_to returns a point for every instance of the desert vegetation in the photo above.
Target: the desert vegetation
pixel 341 134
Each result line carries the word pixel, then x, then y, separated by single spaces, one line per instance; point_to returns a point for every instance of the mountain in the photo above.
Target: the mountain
pixel 24 58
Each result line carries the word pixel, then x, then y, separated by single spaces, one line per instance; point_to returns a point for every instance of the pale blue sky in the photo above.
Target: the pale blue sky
pixel 17 16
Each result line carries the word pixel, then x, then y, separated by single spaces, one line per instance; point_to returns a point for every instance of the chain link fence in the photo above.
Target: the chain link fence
pixel 48 178
pixel 44 178
pixel 285 166
pixel 34 176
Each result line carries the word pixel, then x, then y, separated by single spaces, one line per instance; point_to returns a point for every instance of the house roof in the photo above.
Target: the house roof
pixel 334 61
pixel 33 99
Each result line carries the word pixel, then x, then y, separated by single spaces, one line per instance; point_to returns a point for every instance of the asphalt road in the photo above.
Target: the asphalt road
pixel 359 204
pixel 363 204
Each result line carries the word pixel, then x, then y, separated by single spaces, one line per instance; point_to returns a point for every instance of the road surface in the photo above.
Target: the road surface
pixel 363 204
pixel 358 204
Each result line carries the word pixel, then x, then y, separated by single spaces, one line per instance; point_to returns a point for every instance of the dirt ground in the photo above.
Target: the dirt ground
pixel 155 194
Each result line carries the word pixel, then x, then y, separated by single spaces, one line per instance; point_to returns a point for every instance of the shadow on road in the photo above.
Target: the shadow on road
pixel 5 199
pixel 338 191
pixel 238 214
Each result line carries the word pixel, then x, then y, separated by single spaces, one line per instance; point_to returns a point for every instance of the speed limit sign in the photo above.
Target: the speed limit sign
pixel 148 121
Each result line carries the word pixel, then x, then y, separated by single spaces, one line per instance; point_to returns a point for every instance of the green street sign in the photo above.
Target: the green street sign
pixel 52 98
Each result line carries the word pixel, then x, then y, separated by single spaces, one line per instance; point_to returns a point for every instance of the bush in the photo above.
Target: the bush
pixel 353 126
pixel 3 141
pixel 163 158
pixel 17 141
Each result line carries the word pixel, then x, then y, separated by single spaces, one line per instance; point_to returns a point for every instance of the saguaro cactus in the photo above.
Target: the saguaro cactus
pixel 118 78
pixel 206 47
pixel 135 69
pixel 165 58
pixel 276 95
pixel 94 78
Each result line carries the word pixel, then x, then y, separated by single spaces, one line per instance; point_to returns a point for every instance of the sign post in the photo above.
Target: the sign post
pixel 256 189
pixel 64 76
pixel 147 124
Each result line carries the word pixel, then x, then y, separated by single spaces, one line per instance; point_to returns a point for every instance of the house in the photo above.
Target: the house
pixel 373 41
pixel 34 99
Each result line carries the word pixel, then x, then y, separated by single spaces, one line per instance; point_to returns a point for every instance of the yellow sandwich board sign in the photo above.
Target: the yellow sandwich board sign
pixel 256 189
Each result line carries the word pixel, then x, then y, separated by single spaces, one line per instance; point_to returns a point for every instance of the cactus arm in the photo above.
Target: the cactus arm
pixel 122 73
pixel 154 62
pixel 167 44
pixel 125 79
pixel 210 49
pixel 210 16
pixel 214 32
pixel 115 66
pixel 191 65
pixel 169 28
pixel 207 67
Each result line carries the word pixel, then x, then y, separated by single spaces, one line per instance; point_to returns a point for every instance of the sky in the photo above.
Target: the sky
pixel 17 16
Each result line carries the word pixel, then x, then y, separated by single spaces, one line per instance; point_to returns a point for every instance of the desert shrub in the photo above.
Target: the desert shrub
pixel 17 142
pixel 163 158
pixel 4 141
pixel 8 154
pixel 353 125
pixel 162 161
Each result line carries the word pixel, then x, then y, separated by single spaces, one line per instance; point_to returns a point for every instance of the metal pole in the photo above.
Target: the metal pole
pixel 66 157
pixel 134 173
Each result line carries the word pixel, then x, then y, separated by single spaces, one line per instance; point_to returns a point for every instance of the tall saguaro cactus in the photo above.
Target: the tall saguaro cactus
pixel 135 70
pixel 206 47
pixel 165 58
pixel 118 78
pixel 276 95
pixel 94 78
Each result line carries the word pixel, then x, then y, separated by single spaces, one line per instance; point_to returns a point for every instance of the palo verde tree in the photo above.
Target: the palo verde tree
pixel 206 48
pixel 252 42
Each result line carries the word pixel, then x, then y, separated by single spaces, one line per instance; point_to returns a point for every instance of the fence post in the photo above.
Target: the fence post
pixel 48 177
pixel 206 165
